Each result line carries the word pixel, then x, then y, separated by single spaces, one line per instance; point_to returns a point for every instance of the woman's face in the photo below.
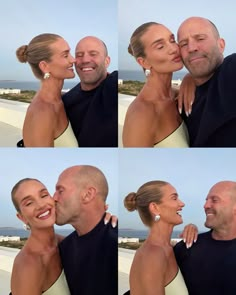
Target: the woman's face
pixel 171 206
pixel 161 50
pixel 62 62
pixel 37 208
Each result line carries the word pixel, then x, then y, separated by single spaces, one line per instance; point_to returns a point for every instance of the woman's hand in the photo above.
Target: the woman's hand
pixel 186 94
pixel 189 234
pixel 108 217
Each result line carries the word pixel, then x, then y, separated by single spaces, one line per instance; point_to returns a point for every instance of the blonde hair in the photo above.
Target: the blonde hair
pixel 36 51
pixel 149 192
pixel 136 46
pixel 16 187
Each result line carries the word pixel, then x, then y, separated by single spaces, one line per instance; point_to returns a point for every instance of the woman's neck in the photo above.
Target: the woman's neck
pixel 50 90
pixel 42 239
pixel 160 233
pixel 158 87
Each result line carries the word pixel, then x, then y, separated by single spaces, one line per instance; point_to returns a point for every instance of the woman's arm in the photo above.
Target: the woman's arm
pixel 39 126
pixel 27 277
pixel 138 125
pixel 186 94
pixel 189 234
pixel 147 275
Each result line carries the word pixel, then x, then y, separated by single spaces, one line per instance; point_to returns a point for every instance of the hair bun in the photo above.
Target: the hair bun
pixel 21 53
pixel 130 50
pixel 130 202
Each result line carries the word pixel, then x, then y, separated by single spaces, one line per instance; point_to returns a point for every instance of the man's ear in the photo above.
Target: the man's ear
pixel 107 61
pixel 221 45
pixel 89 195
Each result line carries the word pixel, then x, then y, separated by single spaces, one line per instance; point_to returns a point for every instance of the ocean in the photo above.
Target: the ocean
pixel 141 234
pixel 139 75
pixel 33 85
pixel 25 234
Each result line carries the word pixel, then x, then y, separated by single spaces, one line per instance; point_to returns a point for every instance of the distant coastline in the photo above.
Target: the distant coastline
pixel 31 85
pixel 134 75
pixel 141 234
pixel 12 231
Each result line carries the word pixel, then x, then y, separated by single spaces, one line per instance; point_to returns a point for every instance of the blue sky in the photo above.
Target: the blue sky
pixel 191 171
pixel 22 20
pixel 46 165
pixel 171 13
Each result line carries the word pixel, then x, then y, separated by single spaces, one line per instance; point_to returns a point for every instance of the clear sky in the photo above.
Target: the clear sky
pixel 22 20
pixel 171 13
pixel 191 171
pixel 46 165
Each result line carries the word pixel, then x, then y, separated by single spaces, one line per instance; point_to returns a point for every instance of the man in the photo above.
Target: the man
pixel 92 105
pixel 212 122
pixel 209 265
pixel 89 255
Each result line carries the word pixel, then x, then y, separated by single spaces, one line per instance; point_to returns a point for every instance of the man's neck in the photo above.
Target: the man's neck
pixel 87 223
pixel 224 234
pixel 91 86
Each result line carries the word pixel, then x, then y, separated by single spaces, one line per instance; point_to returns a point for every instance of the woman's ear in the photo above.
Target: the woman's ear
pixel 43 65
pixel 143 62
pixel 154 208
pixel 21 217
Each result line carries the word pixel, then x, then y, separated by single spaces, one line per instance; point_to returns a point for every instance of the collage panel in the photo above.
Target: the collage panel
pixel 176 74
pixel 177 221
pixel 58 83
pixel 74 189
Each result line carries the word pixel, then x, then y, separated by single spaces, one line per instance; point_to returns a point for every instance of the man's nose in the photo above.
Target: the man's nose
pixel 85 58
pixel 206 205
pixel 192 46
pixel 55 198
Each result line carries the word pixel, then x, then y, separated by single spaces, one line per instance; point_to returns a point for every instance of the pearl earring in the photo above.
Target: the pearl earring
pixel 26 226
pixel 157 217
pixel 147 72
pixel 46 76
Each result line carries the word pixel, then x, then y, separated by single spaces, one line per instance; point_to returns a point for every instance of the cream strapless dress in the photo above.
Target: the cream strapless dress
pixel 177 286
pixel 60 287
pixel 177 139
pixel 66 139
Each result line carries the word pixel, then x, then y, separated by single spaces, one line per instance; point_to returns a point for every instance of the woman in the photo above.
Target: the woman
pixel 46 123
pixel 37 268
pixel 154 269
pixel 152 119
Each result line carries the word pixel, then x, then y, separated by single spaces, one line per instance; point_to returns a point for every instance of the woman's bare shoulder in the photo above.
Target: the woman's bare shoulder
pixel 27 273
pixel 149 264
pixel 139 105
pixel 38 106
pixel 28 259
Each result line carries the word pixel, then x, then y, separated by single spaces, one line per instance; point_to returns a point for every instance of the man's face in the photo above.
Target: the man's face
pixel 200 47
pixel 219 207
pixel 67 199
pixel 91 62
